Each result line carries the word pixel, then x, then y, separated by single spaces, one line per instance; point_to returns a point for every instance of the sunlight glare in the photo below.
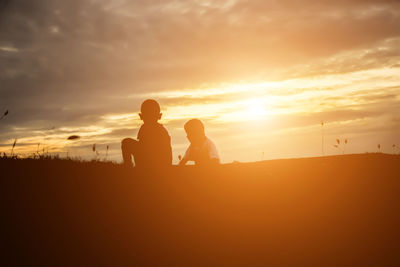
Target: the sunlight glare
pixel 255 109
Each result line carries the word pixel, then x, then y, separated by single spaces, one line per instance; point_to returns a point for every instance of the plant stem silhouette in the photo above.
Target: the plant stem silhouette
pixel 12 149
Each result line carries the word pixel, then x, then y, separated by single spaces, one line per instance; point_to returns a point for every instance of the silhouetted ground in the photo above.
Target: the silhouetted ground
pixel 332 211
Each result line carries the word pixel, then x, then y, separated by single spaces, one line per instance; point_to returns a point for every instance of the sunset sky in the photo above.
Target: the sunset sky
pixel 261 74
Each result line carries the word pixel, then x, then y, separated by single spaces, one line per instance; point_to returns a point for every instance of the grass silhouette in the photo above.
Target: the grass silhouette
pixel 341 144
pixel 317 210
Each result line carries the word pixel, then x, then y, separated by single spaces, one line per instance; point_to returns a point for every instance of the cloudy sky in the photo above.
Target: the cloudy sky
pixel 261 74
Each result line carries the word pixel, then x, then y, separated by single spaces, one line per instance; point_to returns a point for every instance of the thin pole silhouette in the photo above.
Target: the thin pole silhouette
pixel 322 139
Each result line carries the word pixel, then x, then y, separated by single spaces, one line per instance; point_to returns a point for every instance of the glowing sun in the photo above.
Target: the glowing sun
pixel 255 109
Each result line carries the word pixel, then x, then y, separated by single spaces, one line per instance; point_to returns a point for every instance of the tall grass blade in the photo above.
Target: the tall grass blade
pixel 13 146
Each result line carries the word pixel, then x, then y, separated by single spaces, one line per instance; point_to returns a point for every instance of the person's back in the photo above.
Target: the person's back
pixel 154 146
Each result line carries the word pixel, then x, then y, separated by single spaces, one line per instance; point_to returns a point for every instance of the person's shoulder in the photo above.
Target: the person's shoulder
pixel 161 132
pixel 210 142
pixel 148 130
pixel 162 129
pixel 140 132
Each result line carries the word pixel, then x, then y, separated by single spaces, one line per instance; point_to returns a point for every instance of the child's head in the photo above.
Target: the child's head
pixel 150 111
pixel 195 131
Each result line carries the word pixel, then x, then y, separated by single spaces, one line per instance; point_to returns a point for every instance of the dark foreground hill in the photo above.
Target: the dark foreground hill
pixel 331 211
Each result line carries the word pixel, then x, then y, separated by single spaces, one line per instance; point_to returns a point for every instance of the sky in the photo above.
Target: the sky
pixel 261 74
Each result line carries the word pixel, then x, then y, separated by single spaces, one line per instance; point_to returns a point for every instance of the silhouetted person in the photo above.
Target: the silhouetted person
pixel 201 150
pixel 153 148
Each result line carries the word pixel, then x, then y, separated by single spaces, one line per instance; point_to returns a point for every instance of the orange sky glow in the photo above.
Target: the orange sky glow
pixel 261 75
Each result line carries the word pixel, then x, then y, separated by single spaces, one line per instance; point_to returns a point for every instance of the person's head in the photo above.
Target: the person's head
pixel 150 111
pixel 195 131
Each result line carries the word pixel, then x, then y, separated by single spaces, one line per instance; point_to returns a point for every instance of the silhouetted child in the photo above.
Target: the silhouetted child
pixel 154 146
pixel 201 150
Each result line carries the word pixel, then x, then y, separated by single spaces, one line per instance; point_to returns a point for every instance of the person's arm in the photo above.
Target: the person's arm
pixel 165 149
pixel 168 151
pixel 214 161
pixel 213 153
pixel 185 158
pixel 183 162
